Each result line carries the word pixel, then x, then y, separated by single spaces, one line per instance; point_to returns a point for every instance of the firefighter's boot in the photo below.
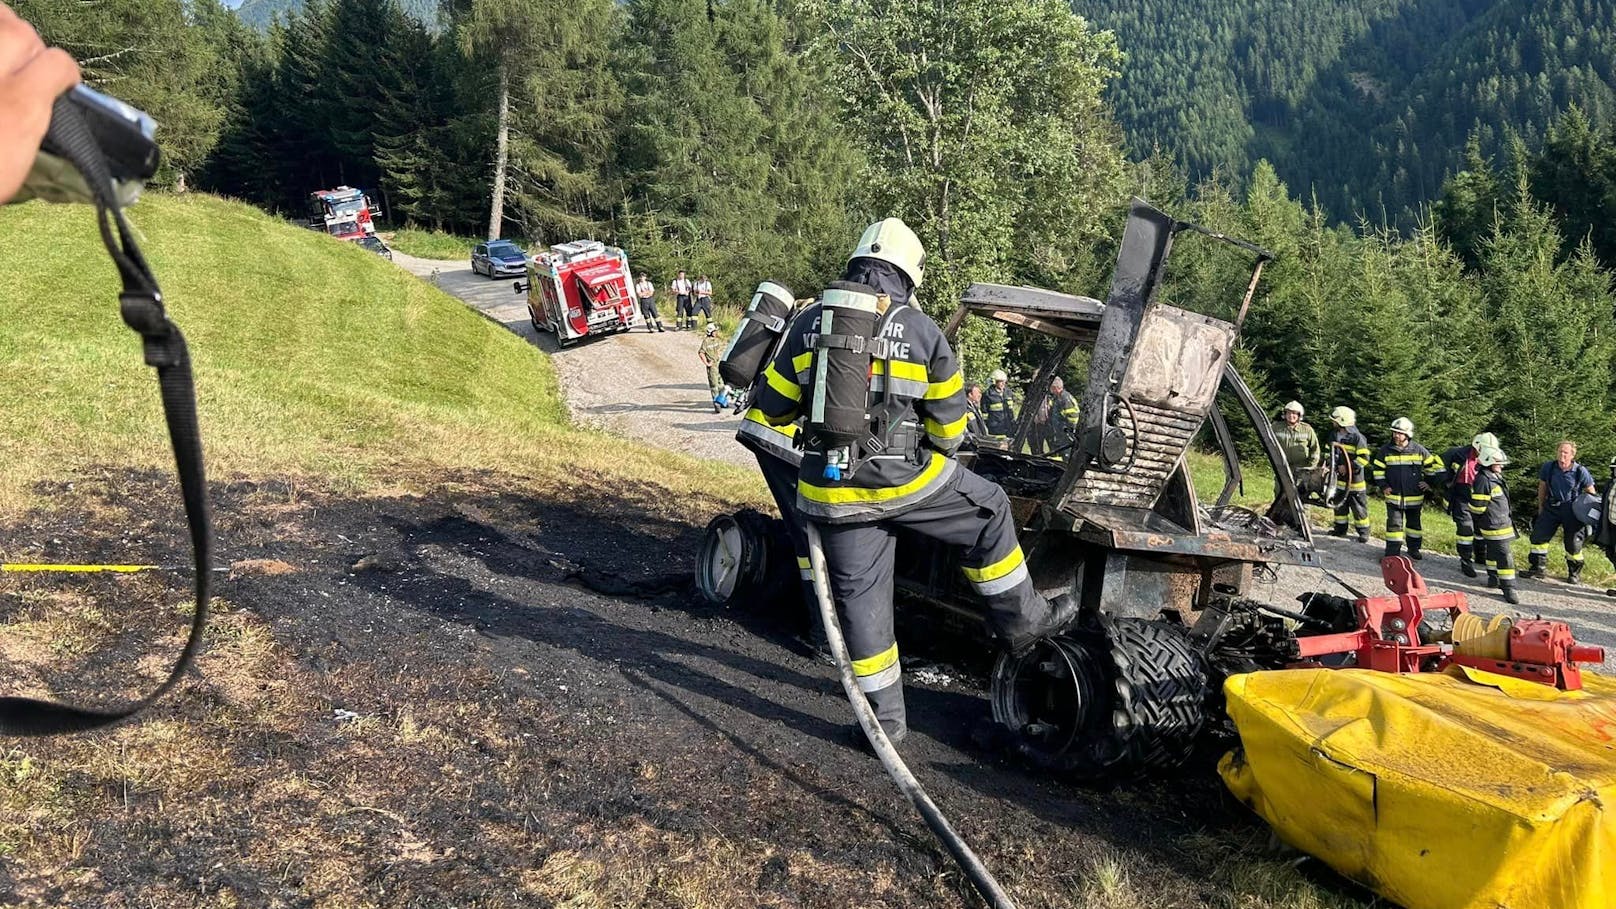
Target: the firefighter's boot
pixel 1492 579
pixel 1510 596
pixel 1063 611
pixel 1573 571
pixel 1537 566
pixel 1394 547
pixel 1414 551
pixel 889 709
pixel 1468 567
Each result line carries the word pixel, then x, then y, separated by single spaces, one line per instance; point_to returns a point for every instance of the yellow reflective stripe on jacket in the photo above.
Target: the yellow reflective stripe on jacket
pixel 789 430
pixel 801 362
pixel 786 388
pixel 945 431
pixel 938 390
pixel 852 495
pixel 900 369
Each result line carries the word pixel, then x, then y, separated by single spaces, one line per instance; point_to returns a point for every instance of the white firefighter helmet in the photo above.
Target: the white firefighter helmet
pixel 1296 406
pixel 1343 416
pixel 891 240
pixel 1484 440
pixel 1403 425
pixel 998 376
pixel 712 328
pixel 1491 455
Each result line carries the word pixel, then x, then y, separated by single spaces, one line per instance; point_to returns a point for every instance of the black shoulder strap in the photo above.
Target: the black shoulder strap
pixel 141 304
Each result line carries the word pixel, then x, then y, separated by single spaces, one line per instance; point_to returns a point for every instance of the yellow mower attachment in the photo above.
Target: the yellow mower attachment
pixel 1453 790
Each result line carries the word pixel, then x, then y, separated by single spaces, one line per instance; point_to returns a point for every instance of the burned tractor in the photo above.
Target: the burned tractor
pixel 1115 519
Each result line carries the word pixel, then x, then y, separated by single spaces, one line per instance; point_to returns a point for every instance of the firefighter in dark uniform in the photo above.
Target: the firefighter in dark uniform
pixel 1354 453
pixel 1489 506
pixel 999 406
pixel 976 425
pixel 1558 485
pixel 1063 415
pixel 778 458
pixel 1404 469
pixel 1459 469
pixel 906 478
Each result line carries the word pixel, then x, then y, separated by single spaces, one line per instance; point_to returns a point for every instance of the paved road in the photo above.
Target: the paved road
pixel 651 387
pixel 643 385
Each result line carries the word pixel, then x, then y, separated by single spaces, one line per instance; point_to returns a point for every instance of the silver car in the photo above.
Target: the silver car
pixel 498 259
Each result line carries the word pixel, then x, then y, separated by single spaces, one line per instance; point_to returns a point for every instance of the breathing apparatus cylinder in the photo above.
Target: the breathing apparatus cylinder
pixel 765 320
pixel 839 415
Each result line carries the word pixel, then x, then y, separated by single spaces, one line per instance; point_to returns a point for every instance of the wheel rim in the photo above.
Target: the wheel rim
pixel 723 552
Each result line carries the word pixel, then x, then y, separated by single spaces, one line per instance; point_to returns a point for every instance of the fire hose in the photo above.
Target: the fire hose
pixel 967 860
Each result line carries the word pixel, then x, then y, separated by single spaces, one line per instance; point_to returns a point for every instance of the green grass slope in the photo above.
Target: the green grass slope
pixel 312 357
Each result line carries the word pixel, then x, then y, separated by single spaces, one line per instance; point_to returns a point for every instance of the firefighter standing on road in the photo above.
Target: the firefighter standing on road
pixel 1354 450
pixel 903 475
pixel 704 301
pixel 999 407
pixel 1489 506
pixel 1558 485
pixel 683 311
pixel 711 351
pixel 1460 465
pixel 1297 439
pixel 1403 468
pixel 646 291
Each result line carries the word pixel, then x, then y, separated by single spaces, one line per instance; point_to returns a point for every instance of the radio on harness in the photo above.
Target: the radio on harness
pixel 765 321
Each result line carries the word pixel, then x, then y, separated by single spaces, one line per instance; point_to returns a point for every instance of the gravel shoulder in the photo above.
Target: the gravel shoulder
pixel 648 386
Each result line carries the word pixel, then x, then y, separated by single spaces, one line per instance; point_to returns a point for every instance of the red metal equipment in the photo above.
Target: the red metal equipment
pixel 1388 637
pixel 580 288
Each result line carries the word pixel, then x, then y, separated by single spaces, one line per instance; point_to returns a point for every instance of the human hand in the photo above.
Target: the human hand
pixel 32 76
pixel 1386 491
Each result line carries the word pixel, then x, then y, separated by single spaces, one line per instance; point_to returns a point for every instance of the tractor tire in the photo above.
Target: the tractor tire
pixel 1119 697
pixel 1162 692
pixel 740 559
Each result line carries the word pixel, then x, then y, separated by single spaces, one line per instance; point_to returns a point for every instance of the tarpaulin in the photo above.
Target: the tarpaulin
pixel 1458 790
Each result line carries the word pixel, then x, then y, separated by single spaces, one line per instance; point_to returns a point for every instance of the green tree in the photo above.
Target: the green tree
pixel 984 128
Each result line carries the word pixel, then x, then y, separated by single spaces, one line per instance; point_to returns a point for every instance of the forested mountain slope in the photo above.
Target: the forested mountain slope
pixel 260 13
pixel 1368 102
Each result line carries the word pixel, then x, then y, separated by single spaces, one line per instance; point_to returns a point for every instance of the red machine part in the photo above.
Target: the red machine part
pixel 1388 637
pixel 1539 651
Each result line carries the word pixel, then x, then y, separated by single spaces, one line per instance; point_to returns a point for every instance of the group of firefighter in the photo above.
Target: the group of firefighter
pixel 992 414
pixel 1469 477
pixel 689 299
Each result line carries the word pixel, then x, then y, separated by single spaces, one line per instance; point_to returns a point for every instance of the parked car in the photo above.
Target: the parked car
pixel 498 259
pixel 375 245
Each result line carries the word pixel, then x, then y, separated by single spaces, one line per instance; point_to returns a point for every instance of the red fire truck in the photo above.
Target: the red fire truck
pixel 579 289
pixel 343 213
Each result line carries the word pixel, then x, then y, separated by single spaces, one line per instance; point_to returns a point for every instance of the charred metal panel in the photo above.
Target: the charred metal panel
pixel 1145 244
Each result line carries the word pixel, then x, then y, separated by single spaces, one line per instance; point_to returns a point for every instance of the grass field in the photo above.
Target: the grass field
pixel 312 356
pixel 1207 473
pixel 432 244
